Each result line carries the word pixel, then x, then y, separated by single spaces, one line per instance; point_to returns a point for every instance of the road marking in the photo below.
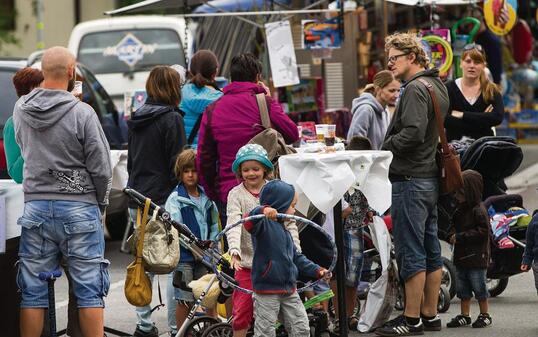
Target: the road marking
pixel 113 286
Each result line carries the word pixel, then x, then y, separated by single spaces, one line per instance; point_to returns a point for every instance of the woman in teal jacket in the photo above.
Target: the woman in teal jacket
pixel 25 80
pixel 199 92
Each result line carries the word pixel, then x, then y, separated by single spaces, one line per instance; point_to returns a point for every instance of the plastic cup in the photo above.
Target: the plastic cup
pixel 321 131
pixel 330 135
pixel 77 89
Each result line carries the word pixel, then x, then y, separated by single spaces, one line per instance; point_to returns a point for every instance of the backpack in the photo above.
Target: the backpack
pixel 271 140
pixel 160 252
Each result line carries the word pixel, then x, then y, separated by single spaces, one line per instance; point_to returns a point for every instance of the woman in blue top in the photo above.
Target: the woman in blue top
pixel 199 92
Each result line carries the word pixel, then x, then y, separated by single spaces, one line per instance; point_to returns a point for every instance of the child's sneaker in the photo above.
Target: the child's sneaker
pixel 482 321
pixel 432 324
pixel 460 320
pixel 400 327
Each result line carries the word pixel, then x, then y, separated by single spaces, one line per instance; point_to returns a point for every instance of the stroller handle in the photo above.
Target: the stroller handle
pixel 194 244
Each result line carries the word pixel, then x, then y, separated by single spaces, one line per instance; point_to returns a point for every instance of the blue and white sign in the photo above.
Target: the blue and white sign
pixel 130 50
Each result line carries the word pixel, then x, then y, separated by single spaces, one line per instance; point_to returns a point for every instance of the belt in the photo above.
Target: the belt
pixel 395 178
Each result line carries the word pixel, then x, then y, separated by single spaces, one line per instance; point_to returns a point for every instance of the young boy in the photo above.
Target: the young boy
pixel 471 251
pixel 276 265
pixel 356 216
pixel 189 205
pixel 530 257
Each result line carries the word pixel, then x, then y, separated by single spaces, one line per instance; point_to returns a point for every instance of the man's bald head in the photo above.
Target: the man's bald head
pixel 58 64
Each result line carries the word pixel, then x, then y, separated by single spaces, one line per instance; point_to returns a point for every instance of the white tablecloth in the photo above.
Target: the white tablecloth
pixel 324 178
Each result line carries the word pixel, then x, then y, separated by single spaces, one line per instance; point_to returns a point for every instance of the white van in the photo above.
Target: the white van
pixel 121 51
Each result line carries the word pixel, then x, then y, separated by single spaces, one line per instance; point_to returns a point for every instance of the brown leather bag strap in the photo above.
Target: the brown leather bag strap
pixel 141 224
pixel 438 116
pixel 264 113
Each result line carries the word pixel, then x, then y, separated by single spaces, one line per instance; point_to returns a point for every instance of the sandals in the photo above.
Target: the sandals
pixel 353 323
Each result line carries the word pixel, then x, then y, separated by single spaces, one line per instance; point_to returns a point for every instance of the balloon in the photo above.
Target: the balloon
pixel 522 42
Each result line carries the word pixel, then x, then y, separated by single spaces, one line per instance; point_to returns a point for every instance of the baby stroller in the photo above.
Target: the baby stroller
pixel 495 158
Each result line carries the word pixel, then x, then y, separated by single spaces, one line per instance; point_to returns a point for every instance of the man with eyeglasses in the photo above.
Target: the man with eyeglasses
pixel 412 137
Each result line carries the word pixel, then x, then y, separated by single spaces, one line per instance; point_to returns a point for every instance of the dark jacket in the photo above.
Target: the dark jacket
pixel 475 122
pixel 156 136
pixel 531 247
pixel 276 263
pixel 412 136
pixel 471 224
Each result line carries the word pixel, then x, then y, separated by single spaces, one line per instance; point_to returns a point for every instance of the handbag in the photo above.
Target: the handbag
pixel 271 140
pixel 137 286
pixel 447 158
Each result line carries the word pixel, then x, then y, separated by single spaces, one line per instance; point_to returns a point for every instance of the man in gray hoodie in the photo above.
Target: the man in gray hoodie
pixel 412 137
pixel 67 179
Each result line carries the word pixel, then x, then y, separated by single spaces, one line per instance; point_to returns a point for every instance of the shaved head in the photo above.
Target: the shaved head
pixel 57 63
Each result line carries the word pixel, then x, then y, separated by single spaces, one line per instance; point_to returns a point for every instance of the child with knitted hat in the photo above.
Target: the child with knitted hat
pixel 277 264
pixel 252 168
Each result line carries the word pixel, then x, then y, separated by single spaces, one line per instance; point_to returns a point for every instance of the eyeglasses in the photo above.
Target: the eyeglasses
pixel 393 58
pixel 472 46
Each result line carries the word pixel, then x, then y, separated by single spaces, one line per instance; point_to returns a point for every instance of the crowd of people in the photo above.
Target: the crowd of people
pixel 189 151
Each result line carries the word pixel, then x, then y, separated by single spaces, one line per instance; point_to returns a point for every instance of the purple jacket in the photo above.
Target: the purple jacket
pixel 234 120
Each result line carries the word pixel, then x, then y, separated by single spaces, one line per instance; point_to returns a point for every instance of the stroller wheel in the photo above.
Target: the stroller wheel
pixel 448 278
pixel 198 325
pixel 400 297
pixel 219 330
pixel 496 286
pixel 444 300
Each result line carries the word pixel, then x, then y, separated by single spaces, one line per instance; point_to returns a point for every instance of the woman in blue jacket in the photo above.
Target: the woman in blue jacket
pixel 199 92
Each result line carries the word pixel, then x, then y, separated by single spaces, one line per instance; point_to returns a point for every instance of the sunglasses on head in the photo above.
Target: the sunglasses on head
pixel 472 46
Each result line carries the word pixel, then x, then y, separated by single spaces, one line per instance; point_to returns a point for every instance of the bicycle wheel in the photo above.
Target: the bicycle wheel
pixel 218 330
pixel 197 326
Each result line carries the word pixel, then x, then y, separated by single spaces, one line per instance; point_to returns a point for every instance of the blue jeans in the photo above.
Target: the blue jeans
pixel 471 281
pixel 52 229
pixel 414 218
pixel 143 314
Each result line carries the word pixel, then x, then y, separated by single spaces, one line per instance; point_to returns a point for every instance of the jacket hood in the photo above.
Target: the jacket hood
pixel 433 72
pixel 277 194
pixel 149 112
pixel 238 87
pixel 472 187
pixel 368 99
pixel 42 108
pixel 195 100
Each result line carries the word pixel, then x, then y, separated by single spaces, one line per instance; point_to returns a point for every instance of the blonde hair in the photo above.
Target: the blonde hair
pixel 163 85
pixel 184 161
pixel 381 80
pixel 488 88
pixel 407 43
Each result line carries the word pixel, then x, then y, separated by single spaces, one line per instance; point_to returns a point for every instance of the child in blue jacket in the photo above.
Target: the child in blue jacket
pixel 276 265
pixel 189 205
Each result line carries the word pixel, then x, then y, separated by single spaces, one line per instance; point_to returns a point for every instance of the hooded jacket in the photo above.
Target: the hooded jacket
pixel 234 120
pixel 471 224
pixel 370 120
pixel 202 218
pixel 156 136
pixel 276 263
pixel 194 100
pixel 412 136
pixel 66 155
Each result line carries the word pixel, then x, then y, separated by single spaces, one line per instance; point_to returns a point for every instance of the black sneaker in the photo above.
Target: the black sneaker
pixel 482 321
pixel 400 327
pixel 152 333
pixel 460 320
pixel 433 324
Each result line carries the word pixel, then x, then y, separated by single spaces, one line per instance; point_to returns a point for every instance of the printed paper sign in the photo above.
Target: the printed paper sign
pixel 500 15
pixel 281 54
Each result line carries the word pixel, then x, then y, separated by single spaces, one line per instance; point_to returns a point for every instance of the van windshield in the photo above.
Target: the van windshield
pixel 123 51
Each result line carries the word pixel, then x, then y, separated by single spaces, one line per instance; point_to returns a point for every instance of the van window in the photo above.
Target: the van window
pixel 8 98
pixel 123 51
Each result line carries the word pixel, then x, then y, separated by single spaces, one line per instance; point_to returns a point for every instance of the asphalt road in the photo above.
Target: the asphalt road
pixel 513 312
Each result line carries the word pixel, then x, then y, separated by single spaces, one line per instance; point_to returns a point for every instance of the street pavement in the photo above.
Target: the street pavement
pixel 513 312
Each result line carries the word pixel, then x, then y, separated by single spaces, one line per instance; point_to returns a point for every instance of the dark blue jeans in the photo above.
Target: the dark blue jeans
pixel 414 218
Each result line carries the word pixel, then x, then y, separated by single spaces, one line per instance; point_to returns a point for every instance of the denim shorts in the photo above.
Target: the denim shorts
pixel 414 219
pixel 469 281
pixel 353 255
pixel 190 272
pixel 52 229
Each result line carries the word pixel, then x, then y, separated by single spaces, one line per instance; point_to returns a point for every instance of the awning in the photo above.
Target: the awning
pixel 150 5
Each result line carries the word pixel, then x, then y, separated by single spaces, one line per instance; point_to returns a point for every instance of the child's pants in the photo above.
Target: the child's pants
pixel 292 313
pixel 535 271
